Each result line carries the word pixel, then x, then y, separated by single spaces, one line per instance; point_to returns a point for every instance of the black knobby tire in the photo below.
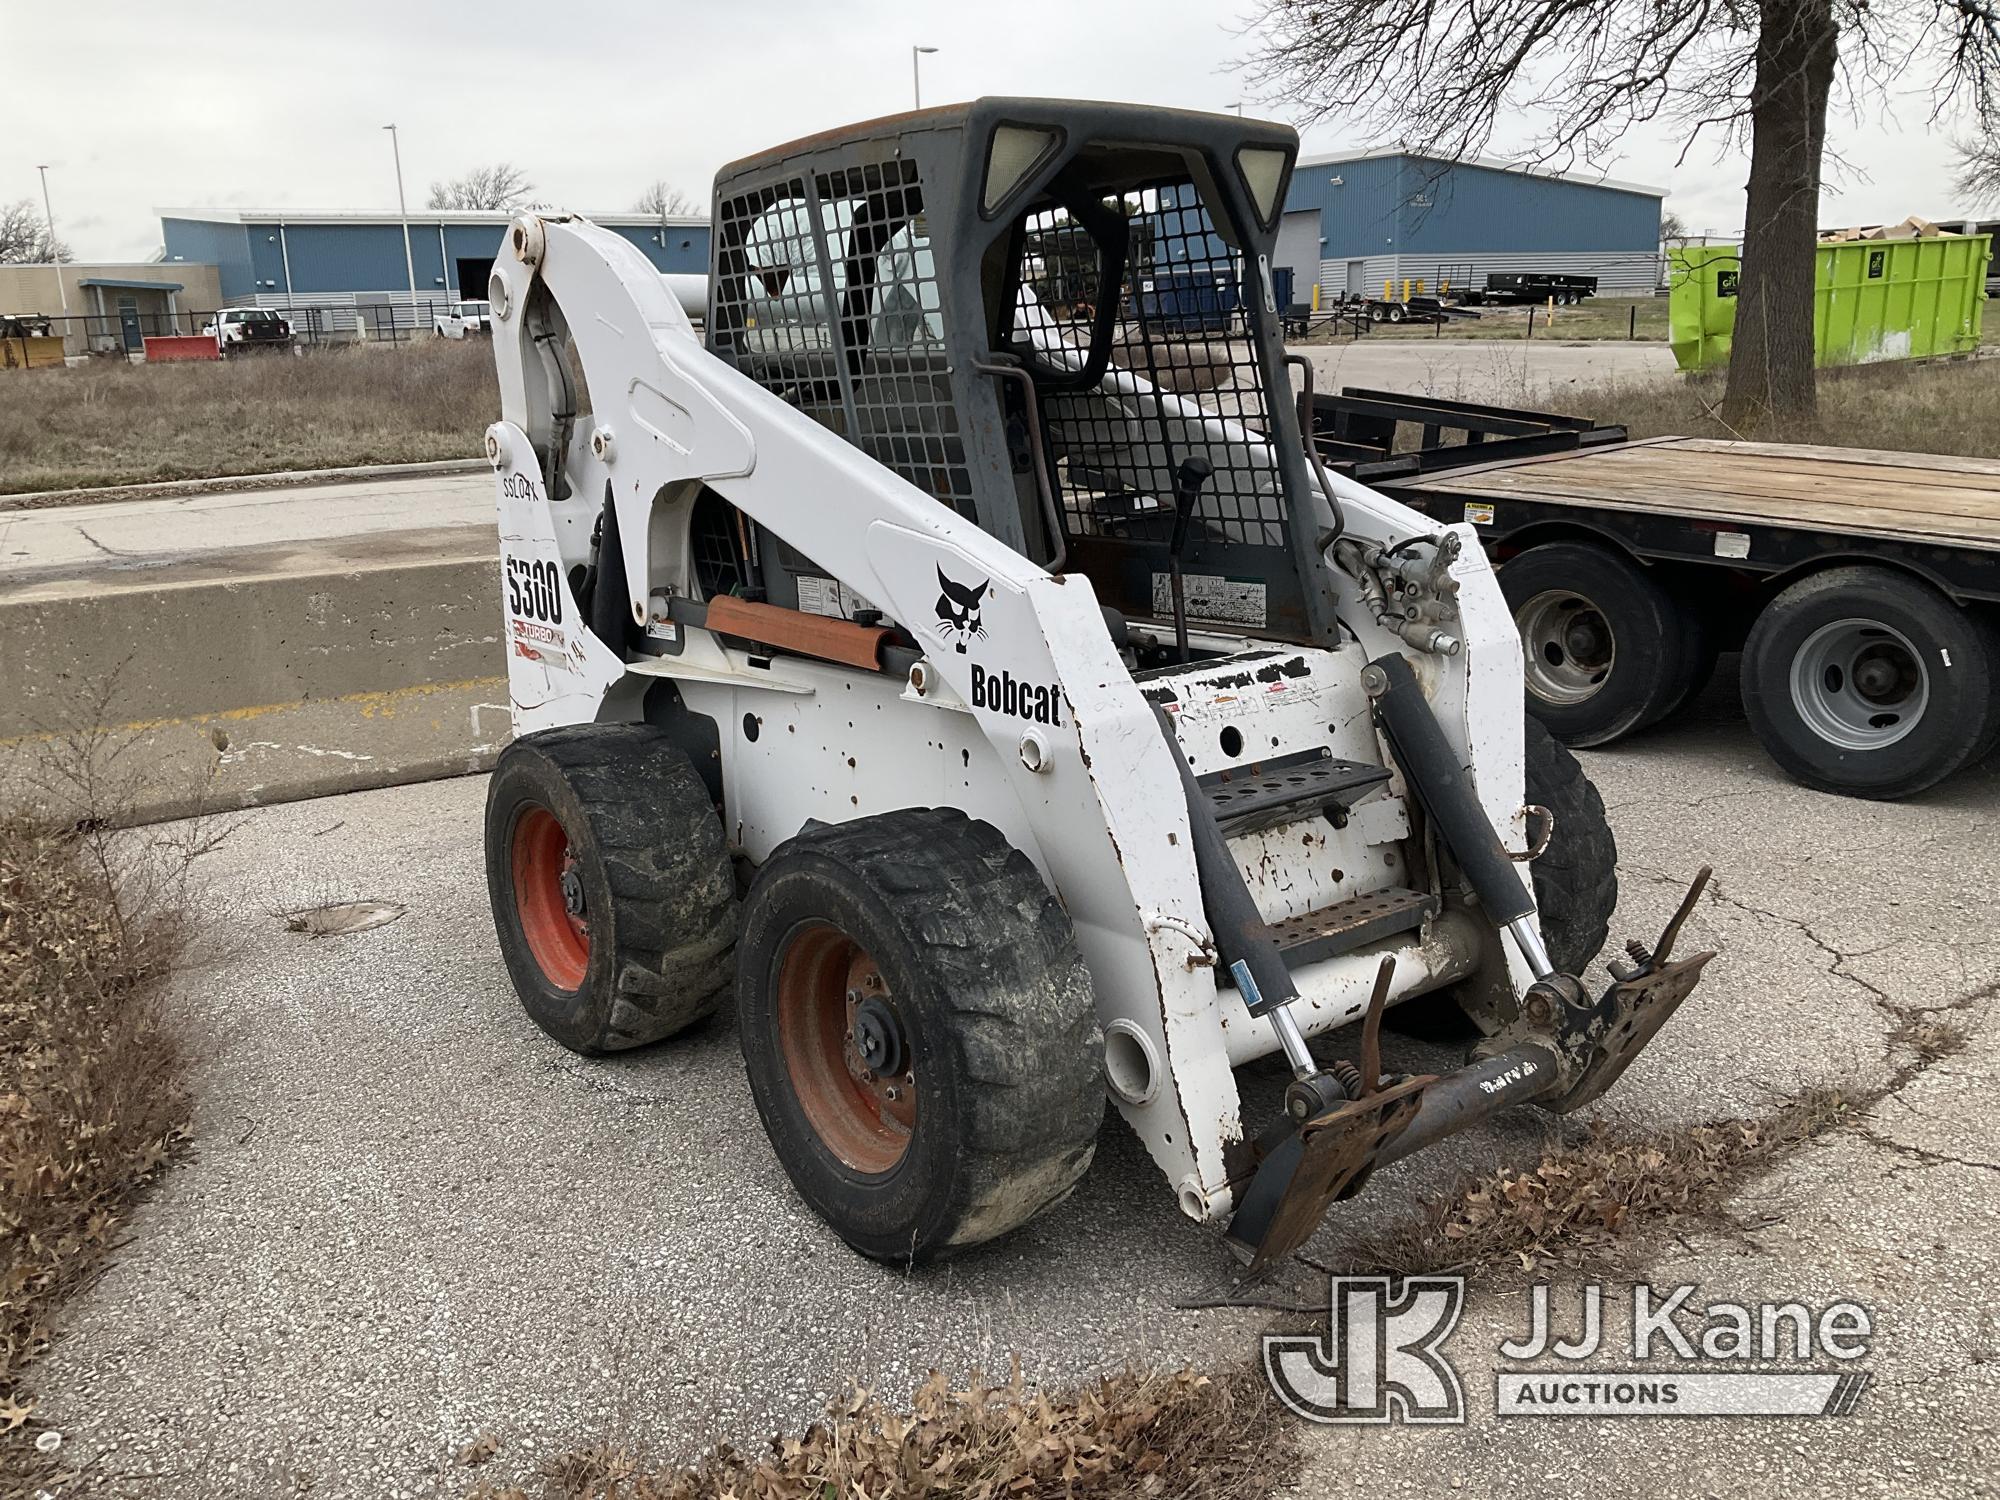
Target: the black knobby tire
pixel 1817 713
pixel 990 1005
pixel 1576 877
pixel 641 844
pixel 1605 648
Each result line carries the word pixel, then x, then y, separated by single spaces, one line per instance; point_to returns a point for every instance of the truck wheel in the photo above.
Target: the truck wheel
pixel 919 1032
pixel 1867 682
pixel 1704 647
pixel 1604 648
pixel 610 883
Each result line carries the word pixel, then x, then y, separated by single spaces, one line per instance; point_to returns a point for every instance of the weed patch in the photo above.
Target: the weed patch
pixel 1575 1204
pixel 119 423
pixel 1167 1437
pixel 1942 408
pixel 93 923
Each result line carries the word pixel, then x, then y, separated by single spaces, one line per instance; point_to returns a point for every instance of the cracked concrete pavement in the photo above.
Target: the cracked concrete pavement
pixel 408 1217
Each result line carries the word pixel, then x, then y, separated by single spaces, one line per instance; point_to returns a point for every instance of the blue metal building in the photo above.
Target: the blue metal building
pixel 357 260
pixel 1357 220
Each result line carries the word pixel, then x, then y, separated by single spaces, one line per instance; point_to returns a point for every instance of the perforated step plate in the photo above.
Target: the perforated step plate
pixel 1268 793
pixel 1351 924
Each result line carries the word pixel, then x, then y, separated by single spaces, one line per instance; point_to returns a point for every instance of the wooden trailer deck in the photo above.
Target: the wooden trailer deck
pixel 1918 498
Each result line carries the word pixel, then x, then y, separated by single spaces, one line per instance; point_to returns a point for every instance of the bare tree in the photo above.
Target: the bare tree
pixel 24 236
pixel 1673 228
pixel 1979 169
pixel 666 200
pixel 1758 72
pixel 500 186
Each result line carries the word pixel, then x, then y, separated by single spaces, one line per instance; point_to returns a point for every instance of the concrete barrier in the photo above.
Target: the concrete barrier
pixel 263 674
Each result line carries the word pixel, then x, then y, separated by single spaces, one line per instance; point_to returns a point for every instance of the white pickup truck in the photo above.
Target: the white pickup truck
pixel 464 318
pixel 237 330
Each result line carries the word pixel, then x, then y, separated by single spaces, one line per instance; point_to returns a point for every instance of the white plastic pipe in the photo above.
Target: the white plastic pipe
pixel 690 289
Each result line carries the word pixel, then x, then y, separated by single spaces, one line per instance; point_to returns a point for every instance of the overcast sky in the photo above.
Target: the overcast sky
pixel 279 105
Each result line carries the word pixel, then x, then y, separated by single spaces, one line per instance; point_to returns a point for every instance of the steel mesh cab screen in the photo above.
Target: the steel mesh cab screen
pixel 827 295
pixel 1180 329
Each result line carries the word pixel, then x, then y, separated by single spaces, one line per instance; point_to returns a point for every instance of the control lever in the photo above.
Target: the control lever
pixel 1188 480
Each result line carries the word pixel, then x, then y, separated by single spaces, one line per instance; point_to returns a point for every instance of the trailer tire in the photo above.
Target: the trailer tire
pixel 1704 654
pixel 1870 683
pixel 610 882
pixel 1605 649
pixel 919 1031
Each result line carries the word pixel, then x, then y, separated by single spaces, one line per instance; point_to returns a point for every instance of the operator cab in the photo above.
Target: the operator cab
pixel 1055 318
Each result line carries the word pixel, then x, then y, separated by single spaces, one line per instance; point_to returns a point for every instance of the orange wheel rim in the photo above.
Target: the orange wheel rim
pixel 548 895
pixel 845 1049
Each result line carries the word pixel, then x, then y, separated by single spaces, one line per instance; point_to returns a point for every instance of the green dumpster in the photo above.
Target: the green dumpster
pixel 1872 300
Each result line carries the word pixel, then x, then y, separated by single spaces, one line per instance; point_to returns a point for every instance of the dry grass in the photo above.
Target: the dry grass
pixel 1940 408
pixel 91 1106
pixel 94 921
pixel 1576 1204
pixel 117 423
pixel 1166 1437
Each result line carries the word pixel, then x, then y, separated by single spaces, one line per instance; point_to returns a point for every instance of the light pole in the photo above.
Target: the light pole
pixel 403 210
pixel 916 77
pixel 55 246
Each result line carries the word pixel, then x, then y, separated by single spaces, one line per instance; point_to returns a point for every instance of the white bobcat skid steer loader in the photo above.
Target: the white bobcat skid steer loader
pixel 969 580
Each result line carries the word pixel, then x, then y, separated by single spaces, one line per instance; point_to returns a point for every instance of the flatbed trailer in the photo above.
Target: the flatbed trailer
pixel 1862 587
pixel 1532 286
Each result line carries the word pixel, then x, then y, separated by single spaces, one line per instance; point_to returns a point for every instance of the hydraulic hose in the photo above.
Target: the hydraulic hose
pixel 1445 790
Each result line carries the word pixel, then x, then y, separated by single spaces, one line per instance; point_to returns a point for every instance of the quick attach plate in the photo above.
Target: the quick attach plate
pixel 1630 1014
pixel 1326 1159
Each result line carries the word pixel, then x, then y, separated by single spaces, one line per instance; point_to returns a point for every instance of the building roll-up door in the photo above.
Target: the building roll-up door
pixel 1298 247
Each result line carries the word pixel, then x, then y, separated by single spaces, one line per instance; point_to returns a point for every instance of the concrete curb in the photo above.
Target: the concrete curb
pixel 43 499
pixel 265 674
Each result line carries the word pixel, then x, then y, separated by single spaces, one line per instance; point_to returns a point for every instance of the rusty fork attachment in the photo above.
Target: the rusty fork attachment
pixel 1560 1050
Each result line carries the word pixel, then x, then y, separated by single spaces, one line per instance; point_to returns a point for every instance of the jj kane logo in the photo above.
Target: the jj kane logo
pixel 1382 1358
pixel 958 610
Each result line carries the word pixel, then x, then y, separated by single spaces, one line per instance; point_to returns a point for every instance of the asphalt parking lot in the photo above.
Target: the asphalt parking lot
pixel 409 1218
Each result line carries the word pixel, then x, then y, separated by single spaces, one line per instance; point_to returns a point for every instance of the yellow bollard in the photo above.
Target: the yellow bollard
pixel 1315 296
pixel 1388 290
pixel 1406 289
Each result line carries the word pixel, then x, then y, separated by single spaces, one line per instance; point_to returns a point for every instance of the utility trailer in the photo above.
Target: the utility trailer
pixel 1532 286
pixel 1860 586
pixel 1360 314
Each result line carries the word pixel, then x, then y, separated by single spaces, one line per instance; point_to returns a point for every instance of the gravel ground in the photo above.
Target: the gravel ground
pixel 410 1217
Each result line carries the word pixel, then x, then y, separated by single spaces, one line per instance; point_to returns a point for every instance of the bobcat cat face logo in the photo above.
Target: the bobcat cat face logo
pixel 958 610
